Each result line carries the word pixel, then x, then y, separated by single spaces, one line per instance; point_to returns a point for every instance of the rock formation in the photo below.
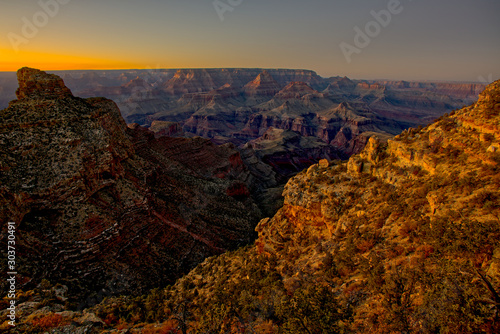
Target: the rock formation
pixel 263 85
pixel 288 153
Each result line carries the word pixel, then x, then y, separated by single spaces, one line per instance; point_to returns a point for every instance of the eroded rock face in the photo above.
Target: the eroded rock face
pixel 297 90
pixel 169 129
pixel 96 202
pixel 55 145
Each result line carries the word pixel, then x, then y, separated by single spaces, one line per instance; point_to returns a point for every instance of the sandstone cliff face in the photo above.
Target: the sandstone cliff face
pixel 96 202
pixel 204 80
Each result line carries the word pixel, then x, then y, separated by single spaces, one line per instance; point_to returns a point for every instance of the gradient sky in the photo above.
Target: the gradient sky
pixel 428 40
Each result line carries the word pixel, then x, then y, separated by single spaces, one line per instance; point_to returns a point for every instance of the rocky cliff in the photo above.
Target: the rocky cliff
pixel 97 203
pixel 204 80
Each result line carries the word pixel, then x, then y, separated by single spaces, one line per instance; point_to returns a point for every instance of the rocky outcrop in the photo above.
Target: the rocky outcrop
pixel 34 84
pixel 96 202
pixel 263 85
pixel 137 83
pixel 226 91
pixel 190 81
pixel 167 129
pixel 297 90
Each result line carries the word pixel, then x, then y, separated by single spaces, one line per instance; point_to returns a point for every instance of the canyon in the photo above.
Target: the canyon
pixel 239 105
pixel 401 237
pixel 335 115
pixel 110 202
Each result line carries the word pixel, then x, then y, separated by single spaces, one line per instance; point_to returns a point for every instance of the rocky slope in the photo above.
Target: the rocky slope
pixel 403 238
pixel 98 204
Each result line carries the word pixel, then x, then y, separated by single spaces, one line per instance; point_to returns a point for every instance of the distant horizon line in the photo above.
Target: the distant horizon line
pixel 253 68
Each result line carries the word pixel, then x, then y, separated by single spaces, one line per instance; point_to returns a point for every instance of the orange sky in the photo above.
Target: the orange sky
pixel 12 61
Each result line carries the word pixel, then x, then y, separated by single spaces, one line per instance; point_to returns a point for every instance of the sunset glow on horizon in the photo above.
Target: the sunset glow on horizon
pixel 11 62
pixel 424 40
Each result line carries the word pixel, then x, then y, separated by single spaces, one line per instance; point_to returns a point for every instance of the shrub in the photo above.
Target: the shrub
pixel 169 327
pixel 425 250
pixel 312 309
pixel 365 245
pixel 49 321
